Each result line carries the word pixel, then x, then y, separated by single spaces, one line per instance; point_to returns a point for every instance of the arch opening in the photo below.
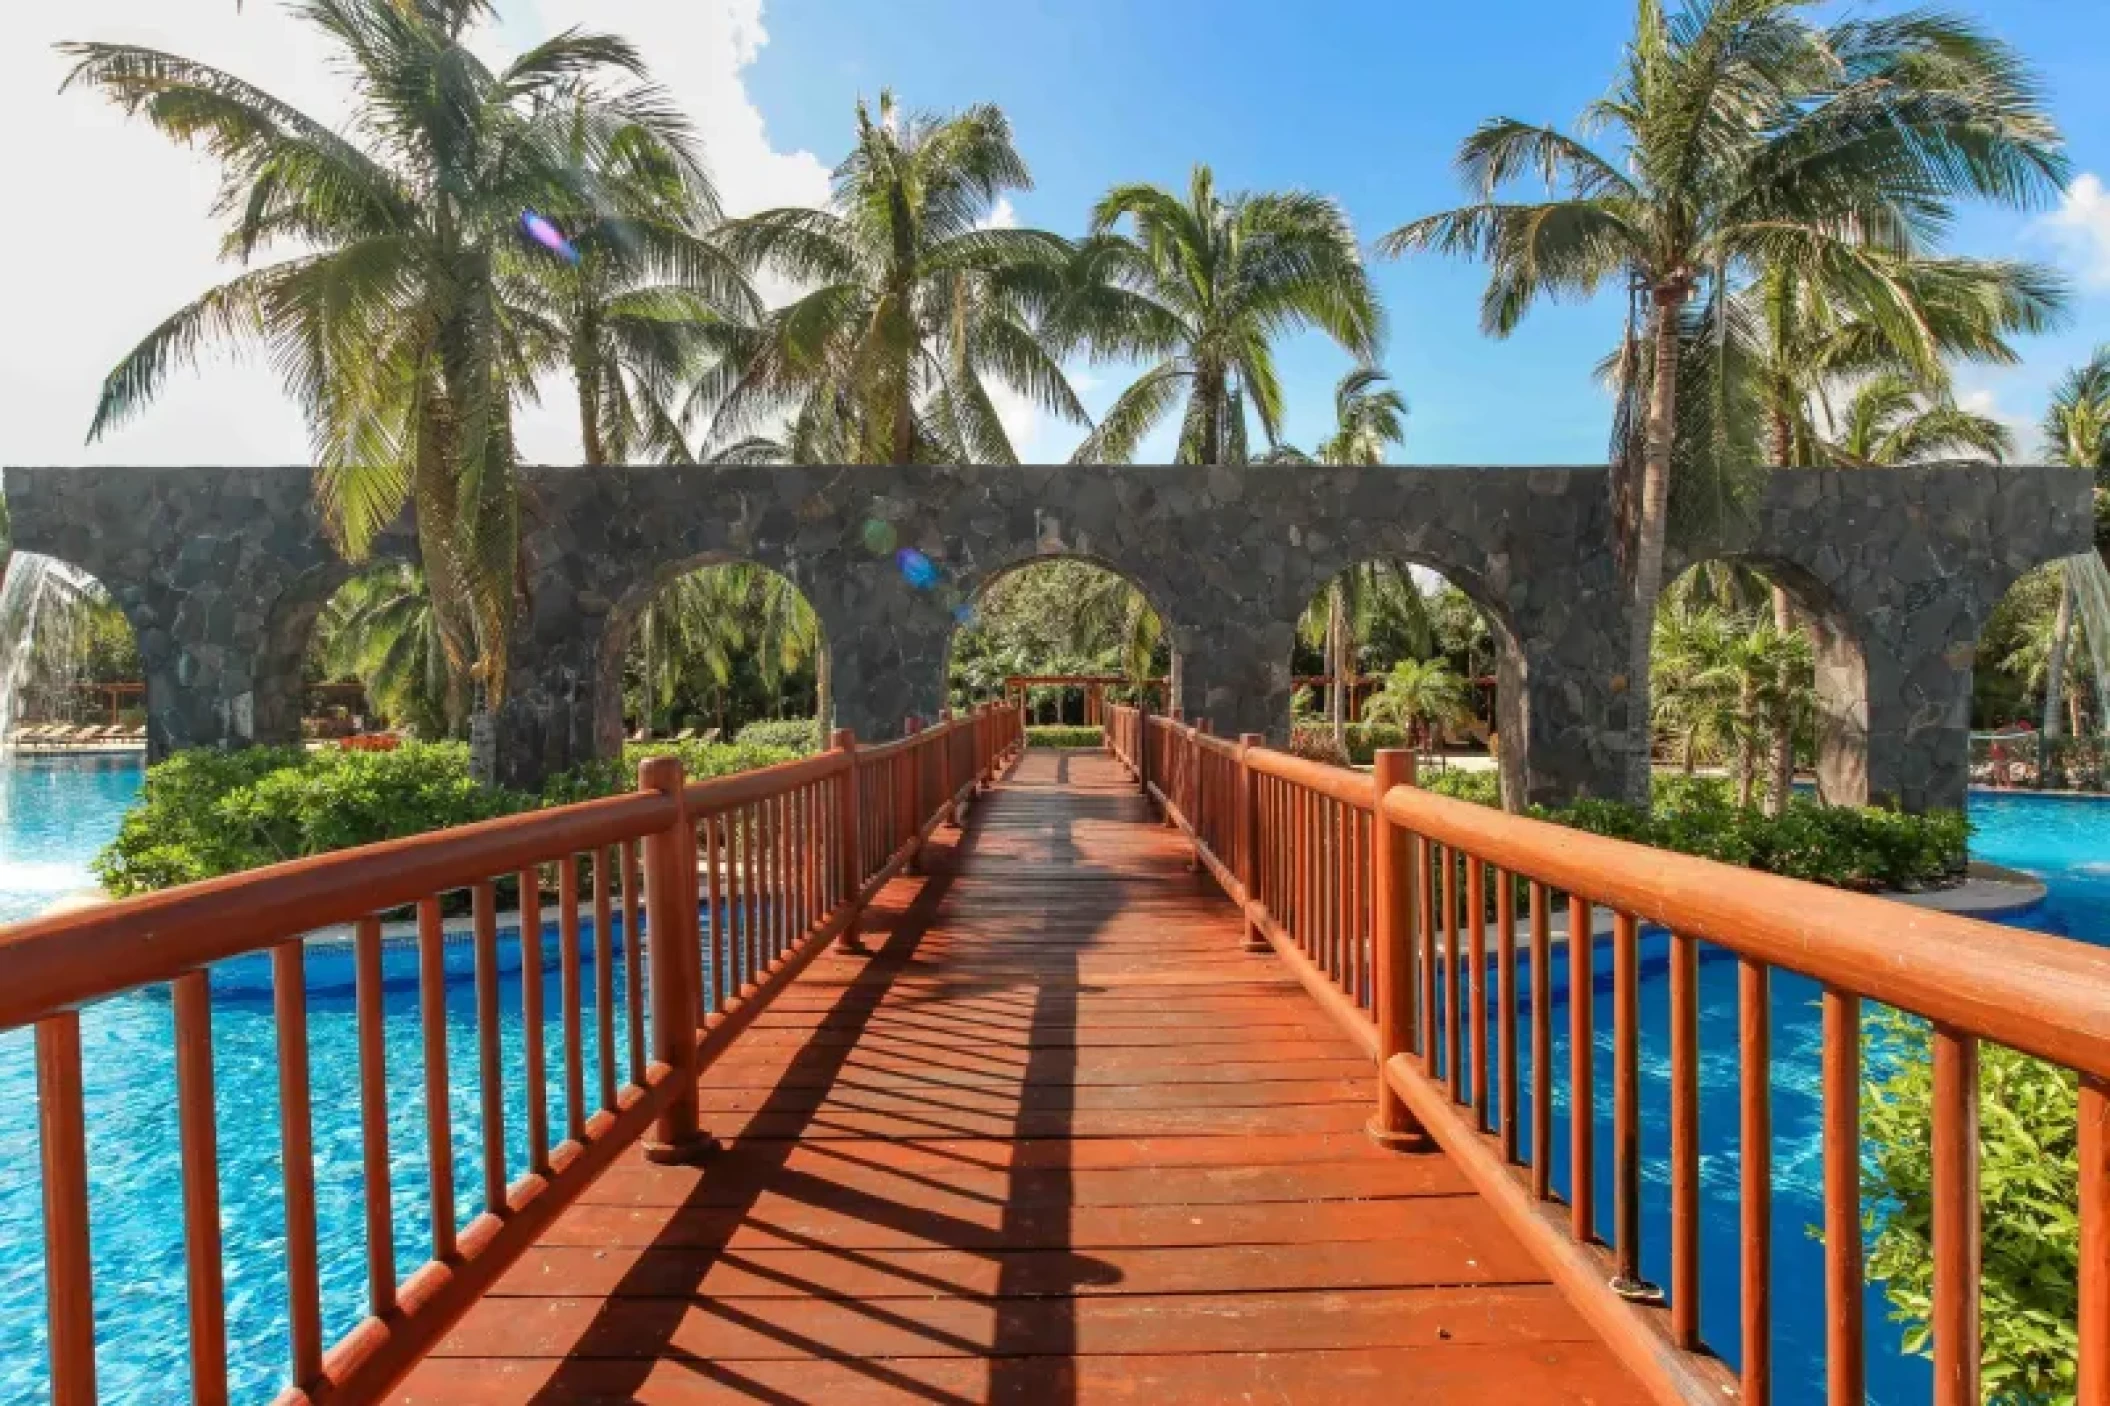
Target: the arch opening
pixel 1064 636
pixel 1391 652
pixel 70 666
pixel 711 648
pixel 373 664
pixel 2040 689
pixel 1760 677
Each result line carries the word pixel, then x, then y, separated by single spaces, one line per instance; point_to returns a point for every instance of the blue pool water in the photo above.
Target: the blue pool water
pixel 63 809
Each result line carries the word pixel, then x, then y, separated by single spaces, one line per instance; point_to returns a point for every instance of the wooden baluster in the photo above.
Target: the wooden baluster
pixel 1476 982
pixel 1626 1105
pixel 714 854
pixel 205 1281
pixel 810 851
pixel 1252 864
pixel 533 1055
pixel 1541 1044
pixel 69 1266
pixel 848 800
pixel 2094 1195
pixel 757 893
pixel 1685 1142
pixel 1429 1028
pixel 571 973
pixel 1506 1009
pixel 296 1141
pixel 1754 1029
pixel 633 960
pixel 439 1124
pixel 911 819
pixel 604 972
pixel 1301 904
pixel 373 1114
pixel 490 1071
pixel 1956 1243
pixel 1582 1081
pixel 1453 1026
pixel 1845 1367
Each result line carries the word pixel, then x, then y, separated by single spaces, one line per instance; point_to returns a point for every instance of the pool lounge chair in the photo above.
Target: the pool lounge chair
pixel 687 734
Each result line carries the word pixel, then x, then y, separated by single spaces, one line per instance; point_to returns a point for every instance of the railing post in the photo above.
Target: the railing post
pixel 1248 820
pixel 1196 821
pixel 849 828
pixel 1392 911
pixel 911 804
pixel 948 784
pixel 678 1135
pixel 1143 746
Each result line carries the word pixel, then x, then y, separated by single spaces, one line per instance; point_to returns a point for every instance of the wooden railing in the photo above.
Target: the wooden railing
pixel 733 885
pixel 1399 909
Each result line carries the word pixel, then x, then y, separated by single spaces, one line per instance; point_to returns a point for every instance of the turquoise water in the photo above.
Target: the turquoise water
pixel 64 808
pixel 55 813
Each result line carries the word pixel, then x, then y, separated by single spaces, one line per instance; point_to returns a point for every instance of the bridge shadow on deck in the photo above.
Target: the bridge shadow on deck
pixel 1059 1140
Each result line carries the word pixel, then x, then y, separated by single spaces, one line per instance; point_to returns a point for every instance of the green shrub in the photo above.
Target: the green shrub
pixel 203 813
pixel 801 735
pixel 1843 846
pixel 2029 1178
pixel 1065 737
pixel 1316 744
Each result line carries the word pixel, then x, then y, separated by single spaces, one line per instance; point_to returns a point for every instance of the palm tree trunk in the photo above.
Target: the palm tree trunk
pixel 1336 651
pixel 651 672
pixel 1746 761
pixel 1649 540
pixel 589 413
pixel 2055 665
pixel 824 692
pixel 437 507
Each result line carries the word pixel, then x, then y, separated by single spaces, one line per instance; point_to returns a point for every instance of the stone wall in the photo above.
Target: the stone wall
pixel 223 570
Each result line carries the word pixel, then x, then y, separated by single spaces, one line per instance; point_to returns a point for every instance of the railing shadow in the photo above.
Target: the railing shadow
pixel 904 990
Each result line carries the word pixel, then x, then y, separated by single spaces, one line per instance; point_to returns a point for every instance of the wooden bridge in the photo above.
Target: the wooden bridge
pixel 1183 1072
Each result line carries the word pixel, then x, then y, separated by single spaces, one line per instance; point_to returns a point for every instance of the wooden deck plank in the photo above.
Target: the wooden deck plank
pixel 1061 1139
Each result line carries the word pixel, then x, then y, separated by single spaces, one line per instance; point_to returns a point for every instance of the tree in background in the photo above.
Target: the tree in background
pixel 381 630
pixel 2077 434
pixel 1751 140
pixel 1420 696
pixel 1202 286
pixel 913 306
pixel 390 322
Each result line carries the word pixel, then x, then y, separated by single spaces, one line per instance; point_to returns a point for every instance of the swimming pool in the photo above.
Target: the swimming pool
pixel 132 1133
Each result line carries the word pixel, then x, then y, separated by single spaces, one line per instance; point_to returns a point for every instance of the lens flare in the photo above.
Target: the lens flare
pixel 548 236
pixel 879 538
pixel 963 613
pixel 916 568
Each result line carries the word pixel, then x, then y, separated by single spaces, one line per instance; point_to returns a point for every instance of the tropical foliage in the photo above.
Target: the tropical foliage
pixel 1201 286
pixel 402 314
pixel 1753 142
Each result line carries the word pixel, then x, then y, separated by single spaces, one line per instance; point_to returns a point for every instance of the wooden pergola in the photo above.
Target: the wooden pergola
pixel 1094 686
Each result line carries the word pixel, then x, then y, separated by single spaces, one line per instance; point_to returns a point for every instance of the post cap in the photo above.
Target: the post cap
pixel 662 774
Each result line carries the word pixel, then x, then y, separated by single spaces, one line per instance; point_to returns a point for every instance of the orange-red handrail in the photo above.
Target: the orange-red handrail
pixel 1378 896
pixel 761 870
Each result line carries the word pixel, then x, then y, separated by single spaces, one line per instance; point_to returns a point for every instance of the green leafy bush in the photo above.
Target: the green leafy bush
pixel 1843 846
pixel 801 735
pixel 1362 741
pixel 1316 744
pixel 203 813
pixel 2029 1178
pixel 1064 737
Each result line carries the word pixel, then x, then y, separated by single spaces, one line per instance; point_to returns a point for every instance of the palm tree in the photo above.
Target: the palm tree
pixel 1420 696
pixel 703 623
pixel 1693 638
pixel 380 628
pixel 390 324
pixel 1752 140
pixel 629 312
pixel 915 307
pixel 1890 420
pixel 1202 287
pixel 2077 432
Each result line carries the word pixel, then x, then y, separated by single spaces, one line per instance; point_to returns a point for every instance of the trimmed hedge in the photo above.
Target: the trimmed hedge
pixel 801 735
pixel 1848 847
pixel 1054 736
pixel 1315 740
pixel 203 813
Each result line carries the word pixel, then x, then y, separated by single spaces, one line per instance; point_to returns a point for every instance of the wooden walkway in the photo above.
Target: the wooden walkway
pixel 1060 1141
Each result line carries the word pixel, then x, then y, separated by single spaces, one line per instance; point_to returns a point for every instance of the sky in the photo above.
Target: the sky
pixel 1363 100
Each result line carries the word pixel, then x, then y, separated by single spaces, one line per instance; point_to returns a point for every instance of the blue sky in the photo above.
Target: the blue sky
pixel 1365 100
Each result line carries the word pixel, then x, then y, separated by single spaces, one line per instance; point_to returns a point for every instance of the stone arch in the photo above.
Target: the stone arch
pixel 1512 663
pixel 611 646
pixel 978 586
pixel 289 629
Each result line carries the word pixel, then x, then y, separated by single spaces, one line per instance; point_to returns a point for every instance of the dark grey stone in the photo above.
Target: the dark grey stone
pixel 222 572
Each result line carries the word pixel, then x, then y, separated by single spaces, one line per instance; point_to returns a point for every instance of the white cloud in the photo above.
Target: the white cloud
pixel 2080 228
pixel 116 234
